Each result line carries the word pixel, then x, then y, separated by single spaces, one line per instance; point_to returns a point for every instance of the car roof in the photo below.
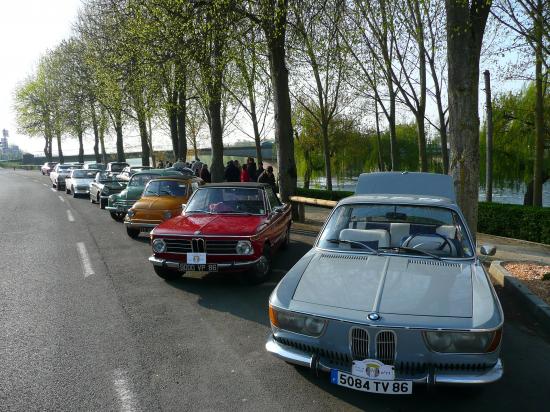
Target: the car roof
pixel 406 183
pixel 177 177
pixel 238 184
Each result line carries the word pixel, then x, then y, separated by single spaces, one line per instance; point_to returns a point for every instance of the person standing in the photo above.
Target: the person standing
pixel 160 164
pixel 251 169
pixel 244 174
pixel 179 165
pixel 260 169
pixel 268 177
pixel 232 173
pixel 205 174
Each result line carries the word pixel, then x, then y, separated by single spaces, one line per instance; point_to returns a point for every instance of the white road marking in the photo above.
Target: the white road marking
pixel 125 395
pixel 60 198
pixel 84 259
pixel 53 189
pixel 44 184
pixel 70 216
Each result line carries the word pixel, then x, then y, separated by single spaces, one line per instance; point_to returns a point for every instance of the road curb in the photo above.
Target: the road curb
pixel 535 305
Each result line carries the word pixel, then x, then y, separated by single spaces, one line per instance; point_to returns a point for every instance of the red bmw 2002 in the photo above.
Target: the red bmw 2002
pixel 232 227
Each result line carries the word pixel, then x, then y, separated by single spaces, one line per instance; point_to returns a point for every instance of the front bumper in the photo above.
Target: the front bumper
pixel 140 225
pixel 438 377
pixel 82 191
pixel 173 264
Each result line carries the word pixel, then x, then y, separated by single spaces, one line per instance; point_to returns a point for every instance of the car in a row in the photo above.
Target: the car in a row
pixel 391 296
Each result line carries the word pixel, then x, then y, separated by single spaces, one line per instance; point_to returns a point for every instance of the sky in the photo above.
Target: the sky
pixel 27 29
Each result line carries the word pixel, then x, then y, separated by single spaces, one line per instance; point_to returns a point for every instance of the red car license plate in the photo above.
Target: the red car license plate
pixel 209 267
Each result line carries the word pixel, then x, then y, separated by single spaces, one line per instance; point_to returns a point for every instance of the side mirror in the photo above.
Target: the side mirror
pixel 488 250
pixel 277 209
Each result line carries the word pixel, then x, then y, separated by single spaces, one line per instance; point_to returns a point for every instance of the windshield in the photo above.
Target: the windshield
pixel 84 174
pixel 140 180
pixel 423 230
pixel 64 168
pixel 165 188
pixel 118 167
pixel 227 200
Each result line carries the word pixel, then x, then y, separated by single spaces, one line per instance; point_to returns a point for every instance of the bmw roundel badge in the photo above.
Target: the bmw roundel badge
pixel 374 316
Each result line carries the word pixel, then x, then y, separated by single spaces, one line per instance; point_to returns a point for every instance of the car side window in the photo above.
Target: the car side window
pixel 272 198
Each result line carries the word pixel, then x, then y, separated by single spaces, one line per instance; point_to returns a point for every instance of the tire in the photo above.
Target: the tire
pixel 118 216
pixel 286 241
pixel 167 274
pixel 133 233
pixel 102 203
pixel 72 191
pixel 53 184
pixel 58 187
pixel 261 271
pixel 67 191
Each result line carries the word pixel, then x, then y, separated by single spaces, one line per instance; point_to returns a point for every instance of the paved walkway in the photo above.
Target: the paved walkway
pixel 507 249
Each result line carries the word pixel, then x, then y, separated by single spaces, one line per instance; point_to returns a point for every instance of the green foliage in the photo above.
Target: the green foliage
pixel 515 221
pixel 513 137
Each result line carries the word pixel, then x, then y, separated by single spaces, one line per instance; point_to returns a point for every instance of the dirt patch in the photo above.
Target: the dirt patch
pixel 533 275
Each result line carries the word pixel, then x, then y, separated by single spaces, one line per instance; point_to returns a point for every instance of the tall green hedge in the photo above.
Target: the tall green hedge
pixel 515 221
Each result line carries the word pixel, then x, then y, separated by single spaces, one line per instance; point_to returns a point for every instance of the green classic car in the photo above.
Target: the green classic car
pixel 119 203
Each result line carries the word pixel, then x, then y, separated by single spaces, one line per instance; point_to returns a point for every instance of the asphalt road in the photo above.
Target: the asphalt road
pixel 85 324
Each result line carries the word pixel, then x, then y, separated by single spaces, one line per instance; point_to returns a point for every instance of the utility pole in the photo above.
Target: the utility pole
pixel 489 139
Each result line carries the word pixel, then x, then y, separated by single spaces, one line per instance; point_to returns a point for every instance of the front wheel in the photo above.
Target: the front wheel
pixel 118 216
pixel 72 191
pixel 261 270
pixel 57 186
pixel 167 274
pixel 102 203
pixel 133 233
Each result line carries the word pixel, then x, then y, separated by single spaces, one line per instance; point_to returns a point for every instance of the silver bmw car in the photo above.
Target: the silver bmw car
pixel 392 293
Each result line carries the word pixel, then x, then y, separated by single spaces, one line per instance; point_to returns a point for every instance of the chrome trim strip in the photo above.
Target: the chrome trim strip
pixel 469 378
pixel 135 224
pixel 175 264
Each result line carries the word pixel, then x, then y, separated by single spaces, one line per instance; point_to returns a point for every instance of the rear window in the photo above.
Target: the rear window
pixel 118 167
pixel 141 179
pixel 166 188
pixel 84 174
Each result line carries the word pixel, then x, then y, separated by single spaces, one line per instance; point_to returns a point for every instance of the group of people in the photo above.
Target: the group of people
pixel 234 171
pixel 249 172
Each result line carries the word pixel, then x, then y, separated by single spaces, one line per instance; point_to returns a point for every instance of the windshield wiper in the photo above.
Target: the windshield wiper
pixel 410 249
pixel 198 211
pixel 353 242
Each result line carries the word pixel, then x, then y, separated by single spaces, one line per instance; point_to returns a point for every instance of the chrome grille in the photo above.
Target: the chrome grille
pixel 221 247
pixel 385 347
pixel 359 344
pixel 178 246
pixel 201 245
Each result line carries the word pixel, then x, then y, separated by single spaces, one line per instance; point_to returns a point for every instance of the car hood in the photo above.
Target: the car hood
pixel 160 202
pixel 211 224
pixel 387 284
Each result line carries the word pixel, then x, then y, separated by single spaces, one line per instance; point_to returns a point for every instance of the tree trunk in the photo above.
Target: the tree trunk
pixel 391 124
pixel 216 139
pixel 102 145
pixel 144 136
pixel 60 156
pixel 254 118
pixel 150 140
pixel 421 109
pixel 539 109
pixel 489 139
pixel 80 146
pixel 421 133
pixel 95 127
pixel 282 109
pixel 326 156
pixel 182 117
pixel 378 140
pixel 119 138
pixel 465 28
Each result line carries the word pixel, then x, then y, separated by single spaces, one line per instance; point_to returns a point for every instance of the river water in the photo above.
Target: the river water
pixel 512 195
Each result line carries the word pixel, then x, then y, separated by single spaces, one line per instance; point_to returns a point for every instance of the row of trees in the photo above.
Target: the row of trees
pixel 146 64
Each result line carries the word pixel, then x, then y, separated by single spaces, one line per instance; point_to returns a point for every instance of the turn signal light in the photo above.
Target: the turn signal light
pixel 273 316
pixel 496 340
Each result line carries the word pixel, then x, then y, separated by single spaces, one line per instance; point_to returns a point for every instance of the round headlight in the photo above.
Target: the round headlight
pixel 131 213
pixel 159 246
pixel 244 247
pixel 463 342
pixel 313 326
pixel 167 214
pixel 106 190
